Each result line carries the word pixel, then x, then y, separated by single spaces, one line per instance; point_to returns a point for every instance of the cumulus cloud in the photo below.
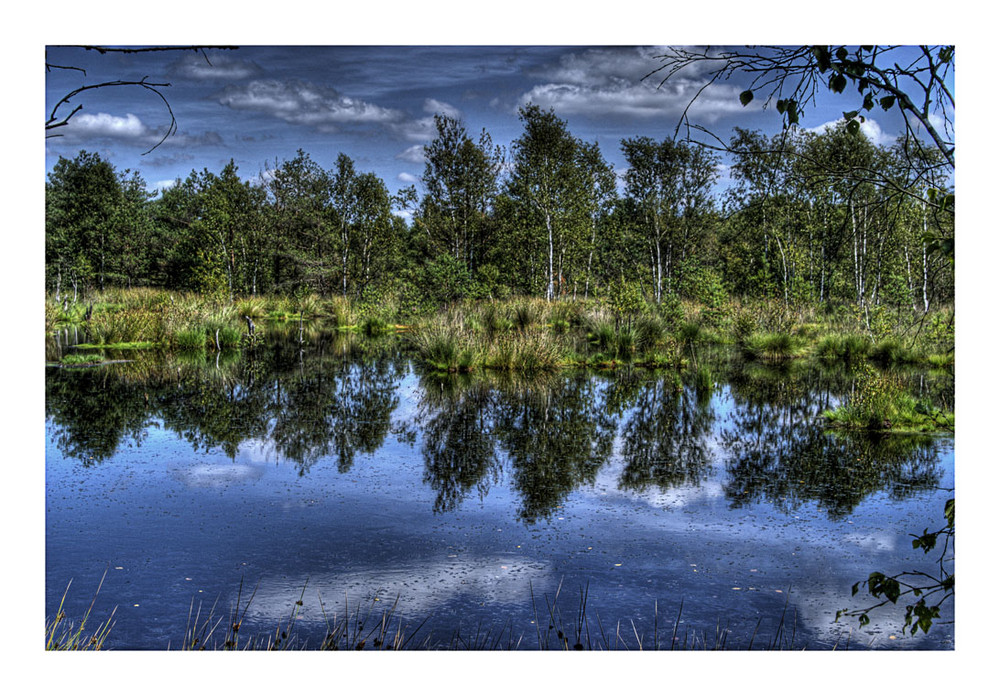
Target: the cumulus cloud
pixel 609 81
pixel 195 67
pixel 407 178
pixel 420 130
pixel 127 127
pixel 869 128
pixel 130 130
pixel 433 106
pixel 306 104
pixel 414 153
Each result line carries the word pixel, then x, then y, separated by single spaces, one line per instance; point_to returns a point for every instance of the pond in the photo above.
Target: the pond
pixel 704 509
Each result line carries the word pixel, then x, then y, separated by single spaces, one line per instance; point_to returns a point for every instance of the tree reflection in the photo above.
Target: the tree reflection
pixel 459 447
pixel 91 415
pixel 777 450
pixel 556 437
pixel 328 397
pixel 333 397
pixel 666 437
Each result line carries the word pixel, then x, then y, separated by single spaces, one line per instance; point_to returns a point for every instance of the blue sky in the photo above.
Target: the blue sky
pixel 260 104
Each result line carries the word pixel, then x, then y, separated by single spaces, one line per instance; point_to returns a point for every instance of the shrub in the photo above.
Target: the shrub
pixel 190 339
pixel 879 402
pixel 770 346
pixel 80 358
pixel 890 351
pixel 373 326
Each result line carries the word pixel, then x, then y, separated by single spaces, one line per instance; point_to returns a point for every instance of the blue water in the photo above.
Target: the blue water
pixel 177 523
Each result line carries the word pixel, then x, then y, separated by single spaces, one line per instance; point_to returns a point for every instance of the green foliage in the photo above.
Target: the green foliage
pixel 930 592
pixel 625 300
pixel 770 346
pixel 445 279
pixel 880 403
pixel 191 339
pixel 81 358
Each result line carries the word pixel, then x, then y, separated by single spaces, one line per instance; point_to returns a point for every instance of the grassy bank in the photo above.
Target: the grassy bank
pixel 880 404
pixel 525 334
pixel 558 623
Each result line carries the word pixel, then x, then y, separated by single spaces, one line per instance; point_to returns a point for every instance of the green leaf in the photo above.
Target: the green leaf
pixel 949 512
pixel 780 105
pixel 926 541
pixel 746 97
pixel 853 127
pixel 837 83
pixel 887 102
pixel 868 102
pixel 891 587
pixel 946 54
pixel 822 55
pixel 841 53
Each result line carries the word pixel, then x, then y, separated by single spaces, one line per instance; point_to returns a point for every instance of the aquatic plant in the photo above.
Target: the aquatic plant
pixel 880 403
pixel 377 625
pixel 890 351
pixel 522 352
pixel 190 339
pixel 81 358
pixel 770 346
pixel 62 634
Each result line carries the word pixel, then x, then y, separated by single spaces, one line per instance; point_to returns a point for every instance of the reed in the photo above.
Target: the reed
pixel 376 625
pixel 63 634
pixel 770 346
pixel 879 403
pixel 527 352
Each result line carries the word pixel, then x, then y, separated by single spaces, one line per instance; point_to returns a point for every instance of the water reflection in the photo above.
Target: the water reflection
pixel 774 453
pixel 333 397
pixel 666 436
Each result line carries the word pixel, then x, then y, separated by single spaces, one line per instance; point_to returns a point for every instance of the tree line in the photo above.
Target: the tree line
pixel 804 218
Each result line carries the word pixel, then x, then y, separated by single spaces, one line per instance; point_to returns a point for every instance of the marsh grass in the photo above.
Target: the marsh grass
pixel 771 346
pixel 891 351
pixel 190 339
pixel 847 347
pixel 879 403
pixel 526 352
pixel 475 333
pixel 63 634
pixel 376 625
pixel 81 359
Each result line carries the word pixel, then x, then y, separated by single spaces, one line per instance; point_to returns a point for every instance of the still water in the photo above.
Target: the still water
pixel 486 507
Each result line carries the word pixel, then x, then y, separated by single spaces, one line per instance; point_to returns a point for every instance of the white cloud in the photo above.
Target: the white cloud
pixel 127 127
pixel 422 130
pixel 130 130
pixel 414 153
pixel 869 128
pixel 217 67
pixel 407 178
pixel 306 104
pixel 433 106
pixel 602 82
